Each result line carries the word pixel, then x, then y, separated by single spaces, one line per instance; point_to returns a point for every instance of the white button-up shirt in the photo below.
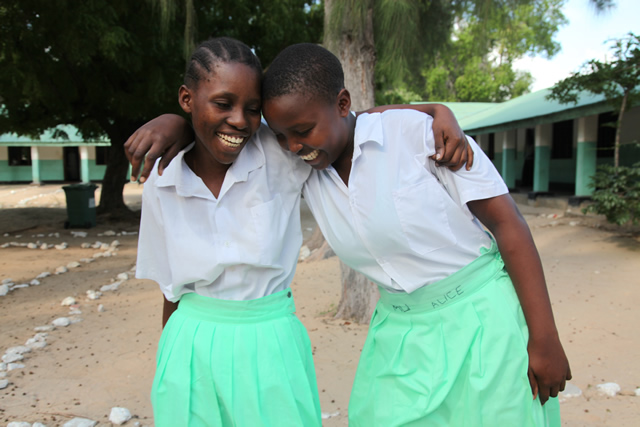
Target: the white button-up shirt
pixel 242 245
pixel 402 221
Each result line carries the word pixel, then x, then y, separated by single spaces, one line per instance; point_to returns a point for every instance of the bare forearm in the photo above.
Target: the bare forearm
pixel 524 266
pixel 521 260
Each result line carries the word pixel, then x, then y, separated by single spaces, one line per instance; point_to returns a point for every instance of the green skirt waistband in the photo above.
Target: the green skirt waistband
pixel 450 290
pixel 249 311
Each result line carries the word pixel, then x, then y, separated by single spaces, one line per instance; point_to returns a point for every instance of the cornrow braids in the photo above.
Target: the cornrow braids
pixel 215 50
pixel 304 68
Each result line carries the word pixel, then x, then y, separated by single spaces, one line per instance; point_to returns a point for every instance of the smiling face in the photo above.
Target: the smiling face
pixel 320 132
pixel 225 110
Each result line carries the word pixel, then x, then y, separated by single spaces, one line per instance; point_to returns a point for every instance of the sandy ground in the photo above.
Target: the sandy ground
pixel 106 358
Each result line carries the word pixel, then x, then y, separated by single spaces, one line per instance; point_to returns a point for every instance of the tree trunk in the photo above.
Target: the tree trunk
pixel 616 146
pixel 356 51
pixel 115 176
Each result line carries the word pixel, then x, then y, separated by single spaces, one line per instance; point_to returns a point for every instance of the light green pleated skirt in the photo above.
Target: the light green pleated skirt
pixel 235 363
pixel 449 354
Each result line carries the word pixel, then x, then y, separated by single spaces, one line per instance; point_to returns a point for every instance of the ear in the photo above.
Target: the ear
pixel 185 98
pixel 344 102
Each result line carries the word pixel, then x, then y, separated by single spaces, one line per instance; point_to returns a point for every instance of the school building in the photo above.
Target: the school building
pixel 59 154
pixel 543 147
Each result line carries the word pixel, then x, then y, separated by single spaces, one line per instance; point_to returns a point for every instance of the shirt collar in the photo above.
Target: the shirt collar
pixel 368 128
pixel 187 183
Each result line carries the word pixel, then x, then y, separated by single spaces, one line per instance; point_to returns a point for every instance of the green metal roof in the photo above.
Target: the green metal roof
pixel 48 138
pixel 523 112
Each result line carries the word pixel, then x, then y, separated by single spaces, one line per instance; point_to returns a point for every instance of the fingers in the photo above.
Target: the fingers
pixel 131 150
pixel 469 151
pixel 533 383
pixel 439 145
pixel 167 156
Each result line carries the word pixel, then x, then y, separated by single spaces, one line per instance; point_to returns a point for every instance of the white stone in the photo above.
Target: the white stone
pixel 32 246
pixel 109 233
pixel 3 366
pixel 62 246
pixel 87 260
pixel 104 246
pixel 7 281
pixel 44 246
pixel 93 295
pixel 73 264
pixel 19 349
pixel 74 310
pixel 34 282
pixel 304 253
pixel 112 287
pixel 4 384
pixel 21 285
pixel 96 245
pixel 326 415
pixel 98 255
pixel 4 289
pixel 80 422
pixel 100 308
pixel 68 301
pixel 43 275
pixel 638 392
pixel 122 276
pixel 61 321
pixel 115 244
pixel 75 319
pixel 85 245
pixel 79 233
pixel 119 415
pixel 12 357
pixel 608 389
pixel 45 328
pixel 5 245
pixel 19 424
pixel 36 345
pixel 38 425
pixel 61 270
pixel 108 254
pixel 12 366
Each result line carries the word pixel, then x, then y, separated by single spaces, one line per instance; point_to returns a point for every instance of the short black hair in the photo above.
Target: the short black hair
pixel 304 68
pixel 215 50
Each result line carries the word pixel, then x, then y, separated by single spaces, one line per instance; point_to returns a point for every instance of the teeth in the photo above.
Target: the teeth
pixel 312 155
pixel 230 141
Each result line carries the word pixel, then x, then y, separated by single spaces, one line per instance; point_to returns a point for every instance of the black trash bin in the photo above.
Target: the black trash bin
pixel 81 205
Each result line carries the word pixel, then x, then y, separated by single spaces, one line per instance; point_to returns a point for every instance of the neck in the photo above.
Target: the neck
pixel 342 165
pixel 207 168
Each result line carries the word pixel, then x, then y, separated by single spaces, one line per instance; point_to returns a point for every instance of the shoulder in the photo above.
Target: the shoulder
pixel 276 157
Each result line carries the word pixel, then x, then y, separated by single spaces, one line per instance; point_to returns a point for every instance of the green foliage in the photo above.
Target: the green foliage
pixel 617 194
pixel 266 26
pixel 470 49
pixel 613 79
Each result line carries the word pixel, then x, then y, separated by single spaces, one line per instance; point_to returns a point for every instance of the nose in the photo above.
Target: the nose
pixel 238 119
pixel 294 145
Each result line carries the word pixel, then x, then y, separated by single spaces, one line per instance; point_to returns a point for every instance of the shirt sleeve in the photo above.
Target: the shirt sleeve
pixel 481 182
pixel 153 260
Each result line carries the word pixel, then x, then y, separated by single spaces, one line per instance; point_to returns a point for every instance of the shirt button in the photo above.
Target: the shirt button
pixel 289 294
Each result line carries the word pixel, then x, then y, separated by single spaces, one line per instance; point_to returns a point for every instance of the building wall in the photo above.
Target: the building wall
pixel 51 166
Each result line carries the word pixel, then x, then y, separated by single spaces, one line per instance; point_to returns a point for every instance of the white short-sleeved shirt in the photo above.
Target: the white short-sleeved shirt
pixel 402 221
pixel 242 245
